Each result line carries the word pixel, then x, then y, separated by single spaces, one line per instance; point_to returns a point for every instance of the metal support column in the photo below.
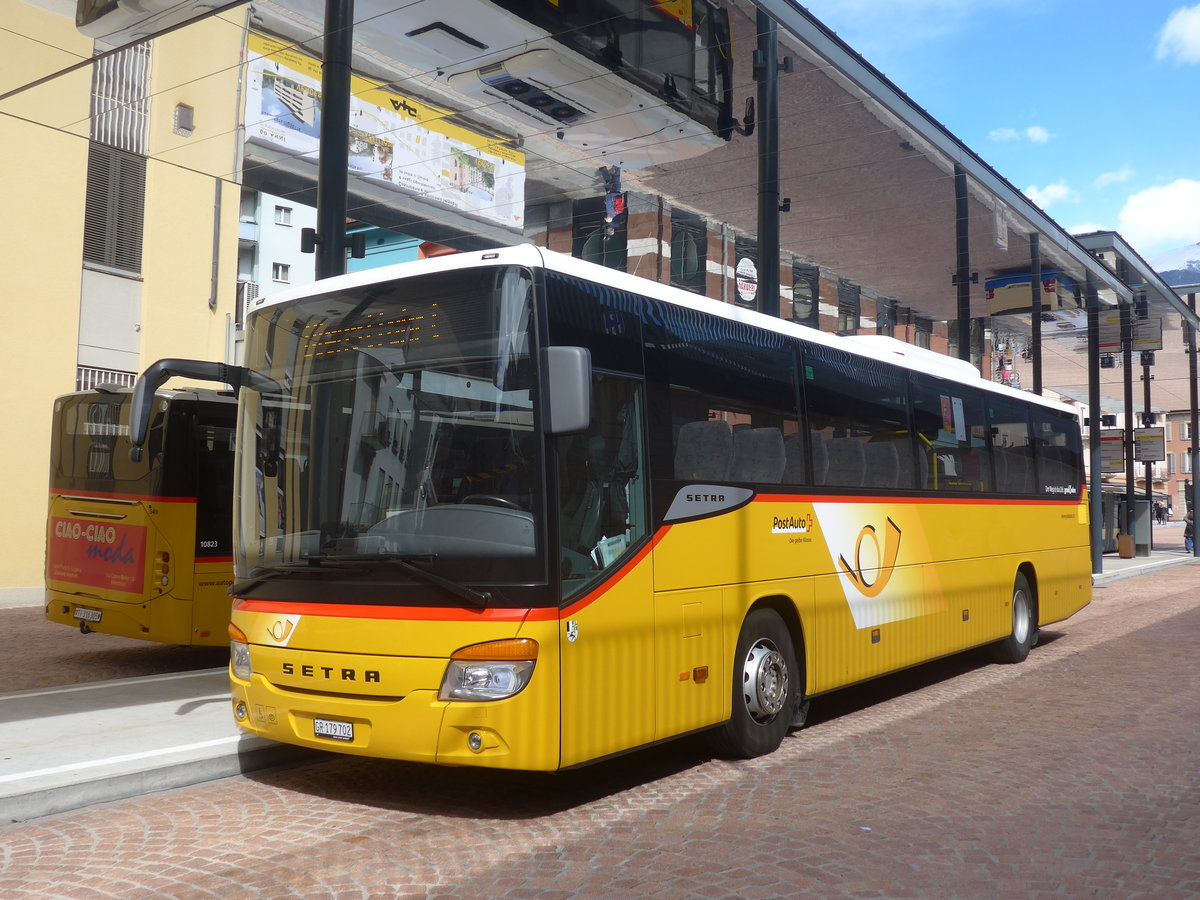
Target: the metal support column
pixel 1095 497
pixel 335 138
pixel 1147 377
pixel 766 72
pixel 1194 450
pixel 962 271
pixel 1035 308
pixel 1127 440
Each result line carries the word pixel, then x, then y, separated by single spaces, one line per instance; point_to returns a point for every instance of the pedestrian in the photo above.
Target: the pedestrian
pixel 1188 531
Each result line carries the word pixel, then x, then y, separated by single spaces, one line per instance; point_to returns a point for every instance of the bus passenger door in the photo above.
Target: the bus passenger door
pixel 606 629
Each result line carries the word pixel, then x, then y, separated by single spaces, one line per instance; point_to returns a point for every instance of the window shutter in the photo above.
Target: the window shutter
pixel 113 212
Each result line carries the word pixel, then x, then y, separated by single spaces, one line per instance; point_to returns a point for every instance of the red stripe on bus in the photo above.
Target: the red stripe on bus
pixel 972 500
pixel 413 613
pixel 590 598
pixel 442 614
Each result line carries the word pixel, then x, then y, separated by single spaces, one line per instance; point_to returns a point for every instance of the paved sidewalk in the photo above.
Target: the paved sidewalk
pixel 1117 569
pixel 64 748
pixel 68 747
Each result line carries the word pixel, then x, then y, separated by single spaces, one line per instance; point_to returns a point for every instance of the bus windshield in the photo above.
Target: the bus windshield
pixel 403 443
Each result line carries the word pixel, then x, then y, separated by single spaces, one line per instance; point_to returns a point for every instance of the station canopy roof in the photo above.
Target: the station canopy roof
pixel 870 176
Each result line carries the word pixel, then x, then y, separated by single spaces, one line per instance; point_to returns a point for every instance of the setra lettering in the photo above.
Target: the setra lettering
pixel 329 673
pixel 705 498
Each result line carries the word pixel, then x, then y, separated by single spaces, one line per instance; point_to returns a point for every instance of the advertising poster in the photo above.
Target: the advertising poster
pixel 97 554
pixel 395 141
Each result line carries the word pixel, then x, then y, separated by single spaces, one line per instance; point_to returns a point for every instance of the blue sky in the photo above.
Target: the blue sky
pixel 1091 108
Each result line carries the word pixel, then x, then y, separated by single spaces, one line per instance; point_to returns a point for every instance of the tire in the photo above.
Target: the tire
pixel 1024 633
pixel 766 684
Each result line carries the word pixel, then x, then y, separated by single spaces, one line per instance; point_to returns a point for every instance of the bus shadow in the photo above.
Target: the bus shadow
pixel 500 795
pixel 482 793
pixel 896 684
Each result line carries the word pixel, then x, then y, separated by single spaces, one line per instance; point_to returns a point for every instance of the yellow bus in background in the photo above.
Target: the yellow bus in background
pixel 142 549
pixel 513 509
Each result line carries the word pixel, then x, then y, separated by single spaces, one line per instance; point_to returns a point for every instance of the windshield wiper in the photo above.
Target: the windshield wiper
pixel 480 599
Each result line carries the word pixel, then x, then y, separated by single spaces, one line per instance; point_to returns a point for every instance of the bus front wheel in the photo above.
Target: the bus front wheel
pixel 1015 648
pixel 766 682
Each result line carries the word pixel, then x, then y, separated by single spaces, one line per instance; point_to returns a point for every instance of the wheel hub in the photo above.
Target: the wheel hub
pixel 764 681
pixel 1021 617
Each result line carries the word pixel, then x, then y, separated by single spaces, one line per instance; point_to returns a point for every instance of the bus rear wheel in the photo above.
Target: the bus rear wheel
pixel 1015 648
pixel 766 682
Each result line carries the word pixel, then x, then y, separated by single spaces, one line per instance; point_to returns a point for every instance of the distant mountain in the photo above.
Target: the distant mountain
pixel 1181 266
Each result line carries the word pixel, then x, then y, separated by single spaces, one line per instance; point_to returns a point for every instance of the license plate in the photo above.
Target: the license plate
pixel 87 614
pixel 338 731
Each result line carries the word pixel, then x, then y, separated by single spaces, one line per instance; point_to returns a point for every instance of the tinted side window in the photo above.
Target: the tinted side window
pixel 726 396
pixel 951 436
pixel 1012 450
pixel 605 320
pixel 1059 449
pixel 602 485
pixel 858 421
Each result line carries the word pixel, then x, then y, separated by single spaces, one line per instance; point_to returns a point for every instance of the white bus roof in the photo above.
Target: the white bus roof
pixel 878 347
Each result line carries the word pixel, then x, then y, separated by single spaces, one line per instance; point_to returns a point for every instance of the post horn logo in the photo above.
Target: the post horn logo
pixel 280 629
pixel 882 572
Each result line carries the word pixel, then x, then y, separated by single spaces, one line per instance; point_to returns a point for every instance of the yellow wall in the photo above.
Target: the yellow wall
pixel 42 169
pixel 200 67
pixel 43 166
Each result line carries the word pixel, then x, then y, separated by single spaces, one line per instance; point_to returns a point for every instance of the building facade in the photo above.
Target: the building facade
pixel 134 160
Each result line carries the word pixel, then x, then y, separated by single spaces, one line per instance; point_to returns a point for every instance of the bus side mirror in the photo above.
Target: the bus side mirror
pixel 156 375
pixel 568 380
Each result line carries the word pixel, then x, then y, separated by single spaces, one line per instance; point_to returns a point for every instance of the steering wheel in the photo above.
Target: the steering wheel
pixel 490 500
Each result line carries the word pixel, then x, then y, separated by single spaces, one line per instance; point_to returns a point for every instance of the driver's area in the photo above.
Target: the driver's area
pixel 602 484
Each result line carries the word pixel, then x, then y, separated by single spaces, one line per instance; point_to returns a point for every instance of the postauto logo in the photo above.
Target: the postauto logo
pixel 870 580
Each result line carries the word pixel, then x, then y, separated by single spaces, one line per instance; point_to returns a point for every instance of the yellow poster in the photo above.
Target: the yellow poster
pixel 395 141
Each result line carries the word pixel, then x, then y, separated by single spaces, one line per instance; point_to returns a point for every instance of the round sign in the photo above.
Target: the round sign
pixel 746 276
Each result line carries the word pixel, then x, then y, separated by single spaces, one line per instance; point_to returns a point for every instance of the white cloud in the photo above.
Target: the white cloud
pixel 1118 177
pixel 1050 194
pixel 1163 217
pixel 1085 228
pixel 1034 133
pixel 1180 38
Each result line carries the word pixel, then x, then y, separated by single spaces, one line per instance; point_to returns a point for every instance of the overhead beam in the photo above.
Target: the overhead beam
pixel 1155 286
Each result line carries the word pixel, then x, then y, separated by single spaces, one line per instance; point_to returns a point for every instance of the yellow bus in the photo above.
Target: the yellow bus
pixel 513 509
pixel 142 549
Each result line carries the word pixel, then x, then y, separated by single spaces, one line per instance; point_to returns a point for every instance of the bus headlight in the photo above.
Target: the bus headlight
pixel 239 654
pixel 491 671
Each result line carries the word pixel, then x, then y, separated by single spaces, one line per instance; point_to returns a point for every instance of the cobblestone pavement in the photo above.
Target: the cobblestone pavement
pixel 1075 774
pixel 35 653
